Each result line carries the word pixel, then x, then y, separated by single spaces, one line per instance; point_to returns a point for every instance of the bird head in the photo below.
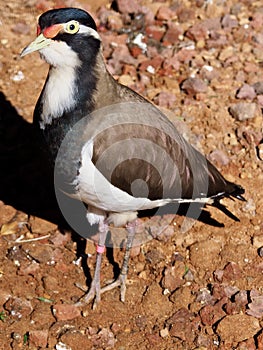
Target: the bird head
pixel 64 37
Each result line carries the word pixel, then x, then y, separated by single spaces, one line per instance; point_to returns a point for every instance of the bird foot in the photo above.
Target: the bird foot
pixel 119 282
pixel 94 294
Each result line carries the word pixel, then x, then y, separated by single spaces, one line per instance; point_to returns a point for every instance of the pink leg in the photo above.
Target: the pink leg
pixel 95 290
pixel 121 280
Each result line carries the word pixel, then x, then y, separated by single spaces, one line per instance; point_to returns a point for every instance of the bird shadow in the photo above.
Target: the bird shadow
pixel 27 184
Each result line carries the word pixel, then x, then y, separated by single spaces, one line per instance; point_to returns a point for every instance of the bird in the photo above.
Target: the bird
pixel 108 146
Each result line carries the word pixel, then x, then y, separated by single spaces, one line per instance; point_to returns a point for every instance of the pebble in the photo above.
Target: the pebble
pixel 7 213
pixel 19 307
pixel 65 312
pixel 62 346
pixel 243 110
pixel 127 7
pixel 232 272
pixel 104 339
pixel 246 327
pixel 255 307
pixel 42 253
pixel 18 76
pixel 155 32
pixel 38 338
pixel 210 314
pixel 197 32
pixel 192 86
pixel 219 157
pixel 246 92
pixel 229 21
pixel 165 99
pixel 258 87
pixel 257 241
pixel 165 13
pixel 60 239
pixel 164 332
pixel 21 28
pixel 181 326
pixel 173 276
pixel 172 35
pixel 41 226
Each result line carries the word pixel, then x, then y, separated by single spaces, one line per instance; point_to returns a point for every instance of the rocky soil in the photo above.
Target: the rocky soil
pixel 197 285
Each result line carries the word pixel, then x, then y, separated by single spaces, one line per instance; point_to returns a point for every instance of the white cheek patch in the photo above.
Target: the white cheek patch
pixel 60 90
pixel 58 53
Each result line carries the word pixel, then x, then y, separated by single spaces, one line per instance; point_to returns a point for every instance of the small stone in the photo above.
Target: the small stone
pixel 10 228
pixel 258 87
pixel 38 338
pixel 62 346
pixel 126 79
pixel 19 307
pixel 141 321
pixel 246 92
pixel 7 213
pixel 209 73
pixel 192 86
pixel 260 252
pixel 165 13
pixel 229 21
pixel 64 312
pixel 165 99
pixel 127 7
pixel 155 64
pixel 260 100
pixel 21 28
pixel 255 308
pixel 60 239
pixel 219 157
pixel 197 32
pixel 41 226
pixel 50 284
pixel 243 110
pixel 232 272
pixel 164 332
pixel 155 32
pixel 173 34
pixel 104 339
pixel 114 21
pixel 173 276
pixel 210 314
pixel 181 326
pixel 42 253
pixel 257 241
pixel 247 328
pixel 28 268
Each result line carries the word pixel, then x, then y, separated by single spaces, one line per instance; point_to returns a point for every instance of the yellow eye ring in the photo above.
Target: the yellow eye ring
pixel 72 27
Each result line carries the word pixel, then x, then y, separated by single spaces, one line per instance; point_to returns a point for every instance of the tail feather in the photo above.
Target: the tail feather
pixel 232 191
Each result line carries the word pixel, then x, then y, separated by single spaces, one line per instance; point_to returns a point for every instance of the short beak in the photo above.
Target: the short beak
pixel 39 43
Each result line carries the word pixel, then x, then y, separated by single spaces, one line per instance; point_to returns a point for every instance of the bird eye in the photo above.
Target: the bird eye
pixel 72 27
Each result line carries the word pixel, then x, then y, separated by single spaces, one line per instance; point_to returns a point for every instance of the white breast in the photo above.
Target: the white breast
pixel 60 89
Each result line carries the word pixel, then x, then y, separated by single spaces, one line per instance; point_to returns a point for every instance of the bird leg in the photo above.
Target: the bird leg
pixel 121 280
pixel 95 290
